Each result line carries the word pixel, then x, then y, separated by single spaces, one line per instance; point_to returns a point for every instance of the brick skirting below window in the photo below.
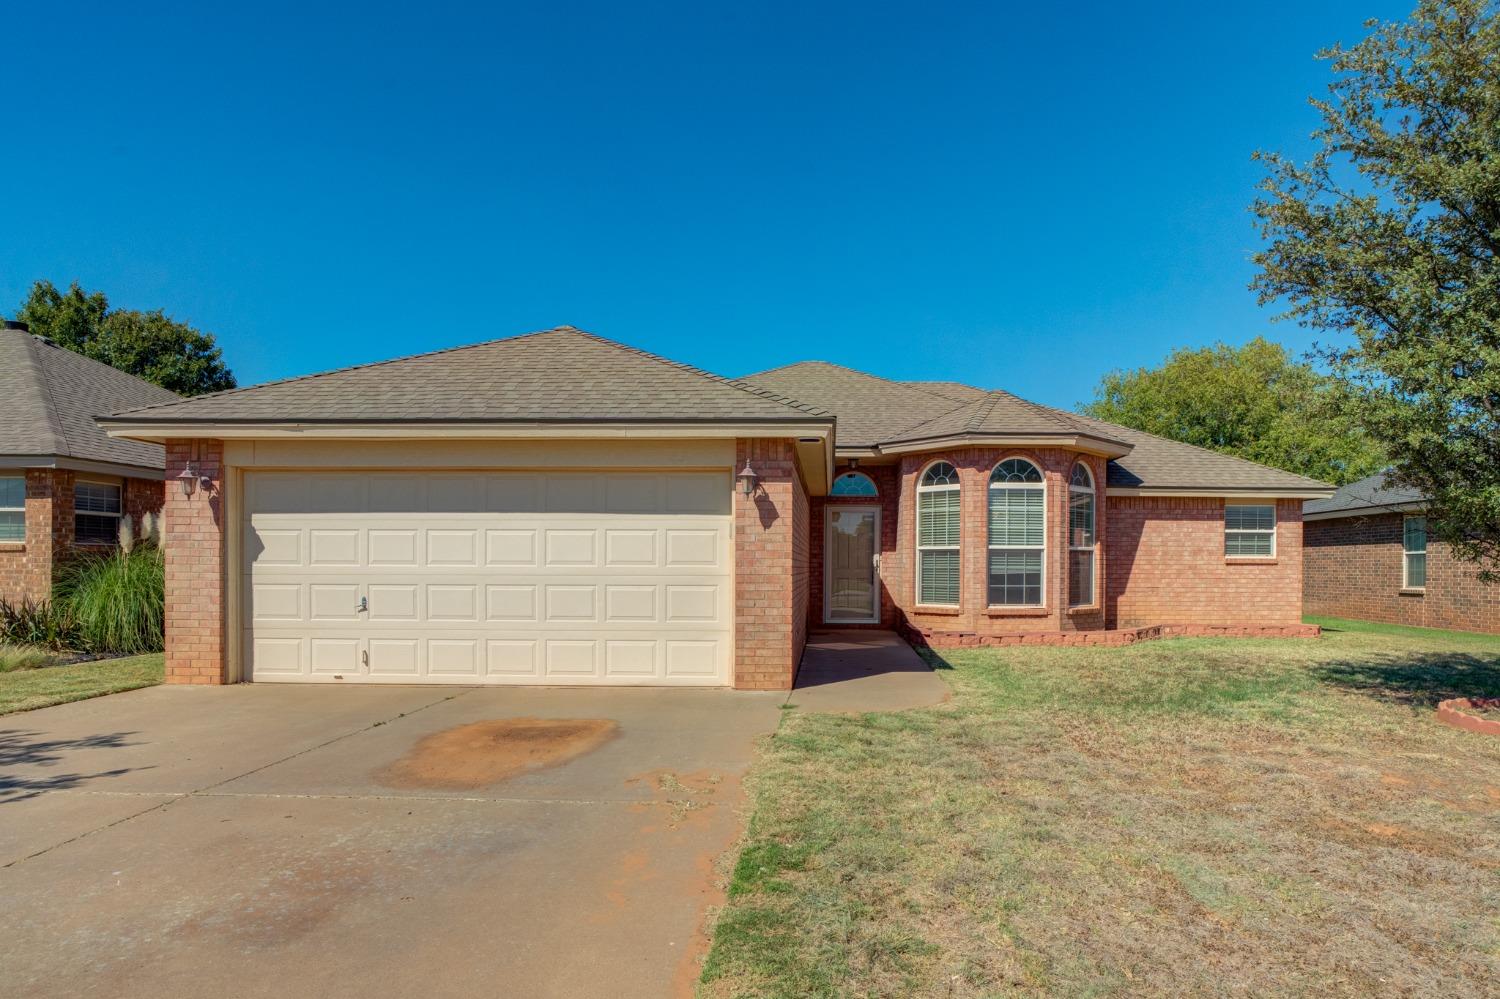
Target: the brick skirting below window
pixel 939 639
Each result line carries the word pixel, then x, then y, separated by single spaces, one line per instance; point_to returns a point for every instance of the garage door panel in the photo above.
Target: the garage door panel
pixel 577 578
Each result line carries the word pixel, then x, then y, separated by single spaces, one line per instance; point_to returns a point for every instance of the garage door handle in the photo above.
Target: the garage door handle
pixel 364 603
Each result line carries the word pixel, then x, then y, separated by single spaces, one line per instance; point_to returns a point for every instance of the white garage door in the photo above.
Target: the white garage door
pixel 488 577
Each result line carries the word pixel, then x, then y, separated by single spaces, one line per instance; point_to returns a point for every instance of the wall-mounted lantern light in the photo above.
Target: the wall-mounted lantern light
pixel 747 479
pixel 188 479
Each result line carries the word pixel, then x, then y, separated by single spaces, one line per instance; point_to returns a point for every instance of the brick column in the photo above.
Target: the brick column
pixel 196 556
pixel 770 568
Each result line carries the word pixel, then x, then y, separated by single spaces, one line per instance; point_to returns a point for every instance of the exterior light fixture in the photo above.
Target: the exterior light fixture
pixel 747 479
pixel 188 479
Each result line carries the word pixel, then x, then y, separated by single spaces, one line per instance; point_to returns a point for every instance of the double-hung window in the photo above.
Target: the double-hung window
pixel 938 519
pixel 96 513
pixel 1081 537
pixel 12 508
pixel 1250 530
pixel 1414 553
pixel 1018 534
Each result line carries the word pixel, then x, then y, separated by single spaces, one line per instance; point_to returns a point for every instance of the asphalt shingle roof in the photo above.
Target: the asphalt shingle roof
pixel 870 410
pixel 49 397
pixel 558 375
pixel 873 411
pixel 1375 492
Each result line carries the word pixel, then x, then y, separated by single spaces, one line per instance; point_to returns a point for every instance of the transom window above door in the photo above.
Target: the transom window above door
pixel 854 484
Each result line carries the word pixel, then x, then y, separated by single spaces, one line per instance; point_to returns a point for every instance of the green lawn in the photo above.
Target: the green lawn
pixel 1183 818
pixel 25 689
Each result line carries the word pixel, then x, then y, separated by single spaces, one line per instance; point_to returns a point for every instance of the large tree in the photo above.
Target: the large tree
pixel 1387 238
pixel 1252 401
pixel 149 345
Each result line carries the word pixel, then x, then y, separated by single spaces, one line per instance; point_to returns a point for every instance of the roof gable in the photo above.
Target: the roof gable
pixel 557 375
pixel 870 409
pixel 52 395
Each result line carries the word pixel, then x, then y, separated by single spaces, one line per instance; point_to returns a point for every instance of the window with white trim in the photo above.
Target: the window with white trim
pixel 96 513
pixel 1018 534
pixel 13 508
pixel 853 484
pixel 1250 530
pixel 1082 541
pixel 1414 553
pixel 938 530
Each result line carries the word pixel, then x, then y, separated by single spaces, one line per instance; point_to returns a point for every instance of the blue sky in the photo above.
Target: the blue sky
pixel 1020 198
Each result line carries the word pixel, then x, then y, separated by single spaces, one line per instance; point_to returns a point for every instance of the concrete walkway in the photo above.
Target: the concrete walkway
pixel 864 670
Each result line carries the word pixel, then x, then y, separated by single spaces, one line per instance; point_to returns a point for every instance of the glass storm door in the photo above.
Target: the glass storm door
pixel 850 590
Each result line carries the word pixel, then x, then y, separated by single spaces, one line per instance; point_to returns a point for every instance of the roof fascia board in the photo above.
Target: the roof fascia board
pixel 158 432
pixel 1078 442
pixel 81 465
pixel 1366 511
pixel 1236 492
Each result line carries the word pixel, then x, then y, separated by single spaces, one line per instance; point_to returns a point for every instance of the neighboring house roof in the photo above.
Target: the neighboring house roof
pixel 562 375
pixel 873 411
pixel 1369 495
pixel 49 397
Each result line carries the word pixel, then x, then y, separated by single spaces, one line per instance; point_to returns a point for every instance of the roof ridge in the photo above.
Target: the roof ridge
pixel 49 402
pixel 348 367
pixel 977 420
pixel 1067 420
pixel 906 385
pixel 811 410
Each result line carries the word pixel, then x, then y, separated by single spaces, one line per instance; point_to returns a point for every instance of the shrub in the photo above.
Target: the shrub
pixel 44 624
pixel 117 600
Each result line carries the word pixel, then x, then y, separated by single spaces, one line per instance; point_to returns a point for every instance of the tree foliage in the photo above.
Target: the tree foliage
pixel 1387 239
pixel 1254 401
pixel 149 345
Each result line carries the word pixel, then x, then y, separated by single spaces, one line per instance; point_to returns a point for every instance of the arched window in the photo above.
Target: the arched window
pixel 853 484
pixel 1082 546
pixel 938 518
pixel 1018 534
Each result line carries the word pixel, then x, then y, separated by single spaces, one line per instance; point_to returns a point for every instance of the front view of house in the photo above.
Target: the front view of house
pixel 557 508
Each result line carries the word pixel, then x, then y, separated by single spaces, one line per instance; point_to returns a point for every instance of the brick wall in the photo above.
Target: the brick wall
pixel 770 588
pixel 974 615
pixel 26 568
pixel 1352 567
pixel 1167 566
pixel 195 535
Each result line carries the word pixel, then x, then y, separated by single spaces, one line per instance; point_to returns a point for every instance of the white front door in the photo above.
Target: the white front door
pixel 851 588
pixel 585 577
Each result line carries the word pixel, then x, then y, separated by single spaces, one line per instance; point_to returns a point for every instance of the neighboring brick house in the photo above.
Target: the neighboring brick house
pixel 557 508
pixel 1368 557
pixel 64 484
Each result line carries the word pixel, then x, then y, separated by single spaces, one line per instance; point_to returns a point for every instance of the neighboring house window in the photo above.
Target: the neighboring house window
pixel 1081 537
pixel 1018 534
pixel 1250 531
pixel 96 513
pixel 938 517
pixel 1414 548
pixel 853 484
pixel 13 508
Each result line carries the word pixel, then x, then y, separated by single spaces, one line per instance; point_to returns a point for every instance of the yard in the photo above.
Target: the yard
pixel 27 682
pixel 1192 817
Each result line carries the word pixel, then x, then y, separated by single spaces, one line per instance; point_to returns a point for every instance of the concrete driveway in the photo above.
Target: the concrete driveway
pixel 287 841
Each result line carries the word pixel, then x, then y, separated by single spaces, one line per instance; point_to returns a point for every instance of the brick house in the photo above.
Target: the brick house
pixel 1367 557
pixel 557 508
pixel 64 483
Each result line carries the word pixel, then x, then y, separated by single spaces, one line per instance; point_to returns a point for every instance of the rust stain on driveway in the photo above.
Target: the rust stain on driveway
pixel 483 753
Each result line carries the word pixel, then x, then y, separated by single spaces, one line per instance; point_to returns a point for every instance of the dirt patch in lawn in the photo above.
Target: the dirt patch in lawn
pixel 487 752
